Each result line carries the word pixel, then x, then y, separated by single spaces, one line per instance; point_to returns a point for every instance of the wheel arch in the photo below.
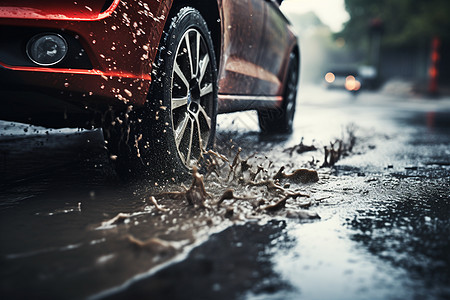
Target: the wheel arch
pixel 210 12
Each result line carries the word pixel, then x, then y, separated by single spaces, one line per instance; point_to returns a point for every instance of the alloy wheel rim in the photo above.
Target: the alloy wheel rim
pixel 192 97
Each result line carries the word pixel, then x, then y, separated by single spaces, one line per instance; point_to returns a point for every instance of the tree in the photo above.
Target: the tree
pixel 404 22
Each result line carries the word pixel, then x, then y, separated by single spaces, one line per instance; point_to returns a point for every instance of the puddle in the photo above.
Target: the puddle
pixel 71 231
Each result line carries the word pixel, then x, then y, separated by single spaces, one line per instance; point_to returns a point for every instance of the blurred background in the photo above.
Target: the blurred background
pixel 389 44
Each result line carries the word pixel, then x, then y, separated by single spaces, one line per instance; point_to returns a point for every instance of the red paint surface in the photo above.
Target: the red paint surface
pixel 56 10
pixel 122 43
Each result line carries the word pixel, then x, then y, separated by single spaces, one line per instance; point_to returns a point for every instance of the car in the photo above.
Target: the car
pixel 352 79
pixel 343 78
pixel 153 74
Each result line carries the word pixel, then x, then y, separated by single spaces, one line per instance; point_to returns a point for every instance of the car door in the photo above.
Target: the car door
pixel 275 46
pixel 242 27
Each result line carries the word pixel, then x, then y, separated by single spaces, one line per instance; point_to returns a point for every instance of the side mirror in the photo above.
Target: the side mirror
pixel 279 1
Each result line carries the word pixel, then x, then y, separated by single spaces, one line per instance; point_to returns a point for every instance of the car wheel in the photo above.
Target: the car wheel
pixel 280 120
pixel 169 135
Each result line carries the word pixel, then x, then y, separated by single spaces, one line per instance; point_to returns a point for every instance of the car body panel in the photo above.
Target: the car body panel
pixel 119 42
pixel 256 47
pixel 82 10
pixel 242 29
pixel 121 68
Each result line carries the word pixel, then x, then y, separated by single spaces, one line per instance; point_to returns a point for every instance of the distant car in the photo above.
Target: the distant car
pixel 352 79
pixel 344 79
pixel 153 74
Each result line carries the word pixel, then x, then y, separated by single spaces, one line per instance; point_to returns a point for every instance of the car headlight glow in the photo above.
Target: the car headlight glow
pixel 330 77
pixel 47 49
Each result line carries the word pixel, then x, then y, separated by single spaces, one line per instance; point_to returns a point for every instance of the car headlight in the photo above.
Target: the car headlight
pixel 330 77
pixel 47 49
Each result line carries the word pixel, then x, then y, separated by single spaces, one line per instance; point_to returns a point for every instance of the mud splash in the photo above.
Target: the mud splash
pixel 224 190
pixel 230 191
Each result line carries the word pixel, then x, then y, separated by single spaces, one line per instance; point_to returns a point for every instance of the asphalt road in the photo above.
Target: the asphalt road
pixel 375 226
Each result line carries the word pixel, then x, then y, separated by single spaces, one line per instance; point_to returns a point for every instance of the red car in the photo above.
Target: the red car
pixel 152 73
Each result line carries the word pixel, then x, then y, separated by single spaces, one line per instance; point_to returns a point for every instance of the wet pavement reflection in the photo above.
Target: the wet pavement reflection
pixel 71 229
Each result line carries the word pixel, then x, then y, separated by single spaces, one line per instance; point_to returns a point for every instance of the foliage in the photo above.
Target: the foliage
pixel 404 22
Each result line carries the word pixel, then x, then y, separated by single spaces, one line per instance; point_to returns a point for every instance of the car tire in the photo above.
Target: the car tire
pixel 167 137
pixel 280 119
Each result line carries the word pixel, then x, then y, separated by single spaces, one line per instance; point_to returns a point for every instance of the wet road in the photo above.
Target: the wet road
pixel 384 210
